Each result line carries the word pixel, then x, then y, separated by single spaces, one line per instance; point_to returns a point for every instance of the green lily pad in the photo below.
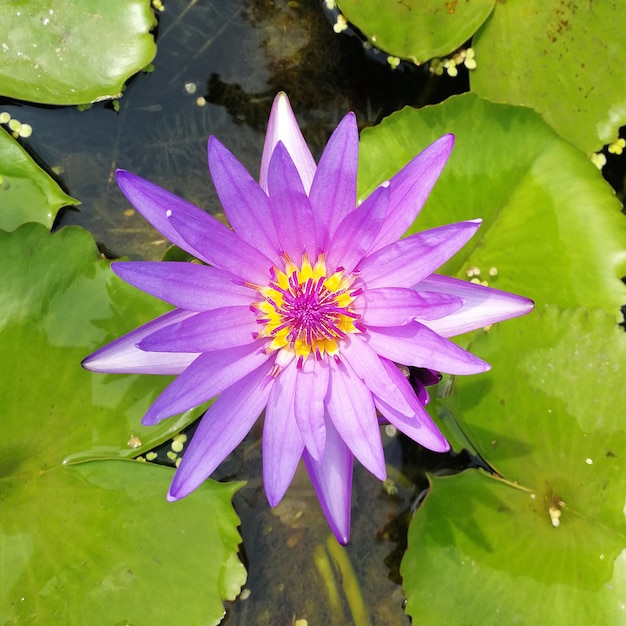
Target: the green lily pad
pixel 27 193
pixel 59 301
pixel 483 552
pixel 566 64
pixel 417 31
pixel 552 227
pixel 97 543
pixel 549 416
pixel 73 52
pixel 550 413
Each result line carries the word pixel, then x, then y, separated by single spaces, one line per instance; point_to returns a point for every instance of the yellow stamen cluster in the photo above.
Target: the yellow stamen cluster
pixel 305 310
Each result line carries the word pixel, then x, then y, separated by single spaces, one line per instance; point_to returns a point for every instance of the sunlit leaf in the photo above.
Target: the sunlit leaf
pixel 549 416
pixel 482 552
pixel 552 227
pixel 73 52
pixel 88 539
pixel 566 63
pixel 27 193
pixel 418 31
pixel 98 543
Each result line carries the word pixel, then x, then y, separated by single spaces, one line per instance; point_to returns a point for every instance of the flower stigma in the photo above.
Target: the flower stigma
pixel 307 311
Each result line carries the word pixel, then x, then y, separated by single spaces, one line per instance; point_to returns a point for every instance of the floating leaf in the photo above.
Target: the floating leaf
pixel 418 31
pixel 566 63
pixel 483 552
pixel 27 193
pixel 549 415
pixel 552 227
pixel 81 541
pixel 98 543
pixel 73 52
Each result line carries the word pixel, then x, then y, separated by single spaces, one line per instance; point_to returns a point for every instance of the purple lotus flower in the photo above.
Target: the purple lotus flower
pixel 304 309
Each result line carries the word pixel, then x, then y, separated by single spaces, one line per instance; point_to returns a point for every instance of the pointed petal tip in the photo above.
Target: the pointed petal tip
pixel 381 472
pixel 441 148
pixel 178 489
pixel 151 418
pixel 283 125
pixel 439 444
pixel 281 108
pixel 448 138
pixel 349 120
pixel 126 179
pixel 343 538
pixel 95 363
pixel 272 497
pixel 212 143
pixel 215 147
pixel 117 269
pixel 86 363
pixel 281 99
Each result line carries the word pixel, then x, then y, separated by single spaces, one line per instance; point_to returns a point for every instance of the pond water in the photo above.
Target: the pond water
pixel 218 67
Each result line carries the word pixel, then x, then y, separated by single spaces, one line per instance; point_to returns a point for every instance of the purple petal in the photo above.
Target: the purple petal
pixel 311 388
pixel 418 425
pixel 351 409
pixel 206 377
pixel 483 305
pixel 410 188
pixel 333 192
pixel 122 356
pixel 332 481
pixel 415 344
pixel 282 443
pixel 291 210
pixel 246 205
pixel 408 261
pixel 221 247
pixel 396 306
pixel 282 126
pixel 156 204
pixel 218 329
pixel 223 427
pixel 188 286
pixel 421 377
pixel 354 235
pixel 369 368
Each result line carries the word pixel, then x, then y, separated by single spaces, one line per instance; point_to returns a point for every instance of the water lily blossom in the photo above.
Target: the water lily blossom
pixel 305 309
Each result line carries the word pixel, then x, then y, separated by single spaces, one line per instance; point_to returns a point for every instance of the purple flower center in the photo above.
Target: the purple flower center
pixel 306 311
